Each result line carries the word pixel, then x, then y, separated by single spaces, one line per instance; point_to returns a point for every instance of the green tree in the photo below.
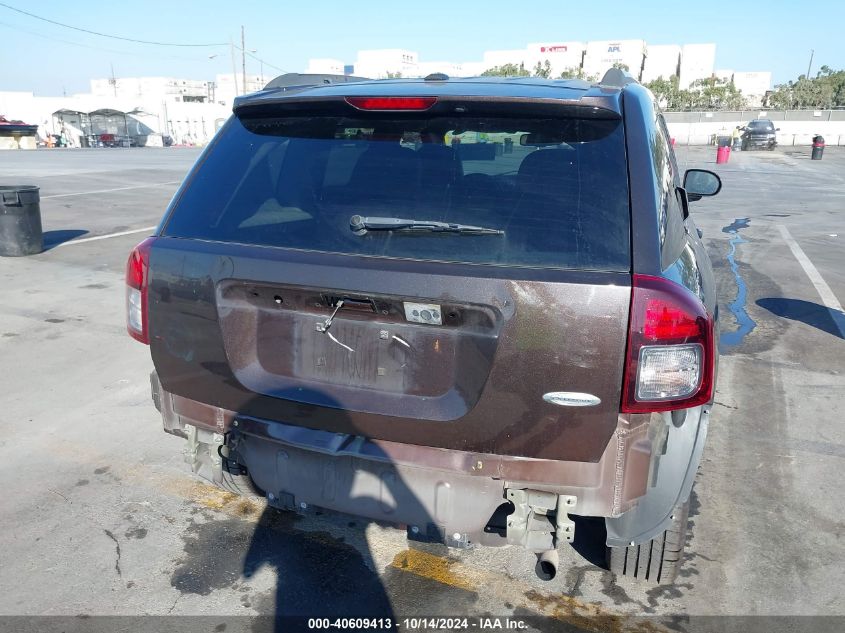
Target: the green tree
pixel 621 66
pixel 577 73
pixel 825 90
pixel 667 93
pixel 803 93
pixel 543 70
pixel 507 70
pixel 714 93
pixel 396 75
pixel 833 82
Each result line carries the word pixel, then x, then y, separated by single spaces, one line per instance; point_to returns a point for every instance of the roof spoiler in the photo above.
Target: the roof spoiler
pixel 617 78
pixel 304 80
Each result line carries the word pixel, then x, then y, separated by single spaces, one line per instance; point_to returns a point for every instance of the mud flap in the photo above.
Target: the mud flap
pixel 671 483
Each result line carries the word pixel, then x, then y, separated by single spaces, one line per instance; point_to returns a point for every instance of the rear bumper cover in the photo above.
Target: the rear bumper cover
pixel 437 492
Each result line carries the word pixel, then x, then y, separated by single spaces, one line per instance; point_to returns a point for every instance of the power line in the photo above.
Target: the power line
pixel 281 70
pixel 114 37
pixel 258 59
pixel 51 38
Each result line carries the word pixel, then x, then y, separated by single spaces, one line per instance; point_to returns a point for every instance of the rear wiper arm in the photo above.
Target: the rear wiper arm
pixel 360 225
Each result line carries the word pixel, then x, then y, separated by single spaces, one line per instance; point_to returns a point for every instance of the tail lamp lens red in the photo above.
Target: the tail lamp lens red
pixel 137 281
pixel 670 356
pixel 391 103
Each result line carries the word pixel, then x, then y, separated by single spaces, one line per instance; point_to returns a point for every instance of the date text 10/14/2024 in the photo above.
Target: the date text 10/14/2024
pixel 419 623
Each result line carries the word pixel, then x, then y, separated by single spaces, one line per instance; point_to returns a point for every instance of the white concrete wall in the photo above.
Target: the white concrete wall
pixel 798 133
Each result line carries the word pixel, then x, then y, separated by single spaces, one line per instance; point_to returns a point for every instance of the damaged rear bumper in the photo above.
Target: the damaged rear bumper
pixel 450 496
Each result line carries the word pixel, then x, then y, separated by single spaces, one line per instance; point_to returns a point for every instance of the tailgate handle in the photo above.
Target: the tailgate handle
pixel 351 303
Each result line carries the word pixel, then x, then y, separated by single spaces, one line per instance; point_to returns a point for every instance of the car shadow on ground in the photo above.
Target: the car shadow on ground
pixel 54 238
pixel 320 573
pixel 813 314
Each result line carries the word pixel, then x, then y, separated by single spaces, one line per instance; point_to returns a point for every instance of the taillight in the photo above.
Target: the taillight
pixel 669 362
pixel 391 103
pixel 137 280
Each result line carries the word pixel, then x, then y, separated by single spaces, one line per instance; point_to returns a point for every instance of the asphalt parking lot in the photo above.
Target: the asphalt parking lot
pixel 100 515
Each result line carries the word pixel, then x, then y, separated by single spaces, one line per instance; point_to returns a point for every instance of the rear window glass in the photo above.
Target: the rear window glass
pixel 557 188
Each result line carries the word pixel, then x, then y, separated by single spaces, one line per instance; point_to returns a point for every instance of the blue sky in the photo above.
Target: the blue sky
pixel 47 59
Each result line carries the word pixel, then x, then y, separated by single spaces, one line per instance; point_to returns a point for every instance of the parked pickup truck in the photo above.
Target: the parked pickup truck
pixel 347 312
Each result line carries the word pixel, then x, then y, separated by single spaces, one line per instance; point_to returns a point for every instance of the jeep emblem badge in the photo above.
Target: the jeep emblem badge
pixel 571 399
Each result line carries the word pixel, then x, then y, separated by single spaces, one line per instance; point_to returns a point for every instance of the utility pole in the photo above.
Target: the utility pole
pixel 113 81
pixel 810 65
pixel 243 57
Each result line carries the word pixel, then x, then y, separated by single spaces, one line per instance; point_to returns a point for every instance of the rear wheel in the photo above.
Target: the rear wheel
pixel 656 561
pixel 238 481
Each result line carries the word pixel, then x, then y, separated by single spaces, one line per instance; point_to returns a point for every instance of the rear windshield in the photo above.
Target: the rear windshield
pixel 556 188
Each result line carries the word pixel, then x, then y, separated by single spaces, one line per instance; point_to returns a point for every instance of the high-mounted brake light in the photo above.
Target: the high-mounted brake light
pixel 391 103
pixel 137 282
pixel 670 356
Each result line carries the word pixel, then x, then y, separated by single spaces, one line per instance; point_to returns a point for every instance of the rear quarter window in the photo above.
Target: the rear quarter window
pixel 556 187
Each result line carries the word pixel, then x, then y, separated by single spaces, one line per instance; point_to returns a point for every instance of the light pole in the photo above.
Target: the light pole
pixel 243 57
pixel 810 65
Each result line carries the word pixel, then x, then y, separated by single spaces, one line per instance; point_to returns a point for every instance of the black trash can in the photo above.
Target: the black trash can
pixel 20 221
pixel 818 147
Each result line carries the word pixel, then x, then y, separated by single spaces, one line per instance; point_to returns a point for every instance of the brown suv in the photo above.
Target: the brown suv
pixel 474 308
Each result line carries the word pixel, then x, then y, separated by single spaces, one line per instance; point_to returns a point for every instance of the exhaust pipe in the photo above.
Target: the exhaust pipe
pixel 547 563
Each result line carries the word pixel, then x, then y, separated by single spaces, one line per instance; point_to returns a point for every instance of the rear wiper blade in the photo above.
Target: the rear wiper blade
pixel 360 225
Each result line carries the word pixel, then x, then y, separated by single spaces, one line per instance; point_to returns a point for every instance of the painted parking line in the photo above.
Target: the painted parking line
pixel 89 193
pixel 146 229
pixel 828 298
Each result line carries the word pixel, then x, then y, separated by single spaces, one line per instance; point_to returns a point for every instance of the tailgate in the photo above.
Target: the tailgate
pixel 236 327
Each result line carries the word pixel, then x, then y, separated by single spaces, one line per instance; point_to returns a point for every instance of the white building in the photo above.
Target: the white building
pixel 230 86
pixel 146 119
pixel 386 62
pixel 661 61
pixel 325 66
pixel 447 68
pixel 754 85
pixel 698 61
pixel 158 88
pixel 600 56
pixel 689 62
pixel 560 55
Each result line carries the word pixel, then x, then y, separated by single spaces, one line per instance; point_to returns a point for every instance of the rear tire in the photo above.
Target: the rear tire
pixel 657 561
pixel 241 485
